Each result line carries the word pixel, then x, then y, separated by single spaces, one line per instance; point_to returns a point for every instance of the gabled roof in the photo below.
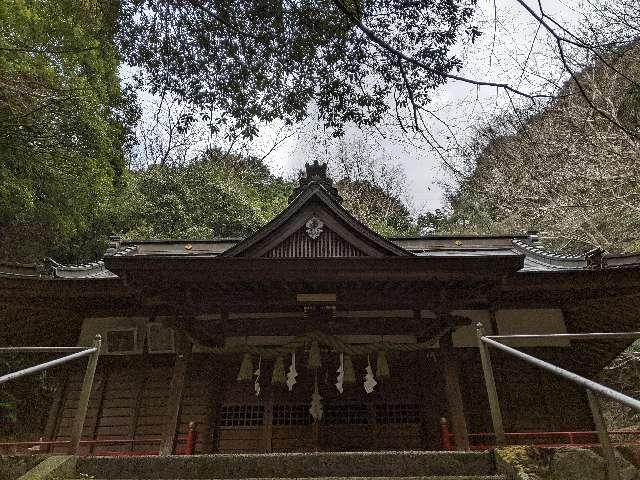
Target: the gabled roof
pixel 317 205
pixel 315 225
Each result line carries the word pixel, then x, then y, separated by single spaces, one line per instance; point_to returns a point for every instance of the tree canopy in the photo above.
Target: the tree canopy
pixel 216 196
pixel 60 136
pixel 223 195
pixel 249 61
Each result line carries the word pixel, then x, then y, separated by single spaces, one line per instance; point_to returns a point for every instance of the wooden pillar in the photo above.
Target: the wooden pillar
pixel 452 390
pixel 141 381
pixel 316 435
pixel 55 412
pixel 172 418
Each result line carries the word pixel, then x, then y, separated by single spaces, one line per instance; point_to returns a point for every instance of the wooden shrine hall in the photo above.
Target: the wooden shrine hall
pixel 316 333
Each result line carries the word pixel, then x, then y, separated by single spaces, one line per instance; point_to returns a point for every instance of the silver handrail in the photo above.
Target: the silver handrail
pixel 571 336
pixel 87 383
pixel 592 388
pixel 44 366
pixel 40 349
pixel 575 378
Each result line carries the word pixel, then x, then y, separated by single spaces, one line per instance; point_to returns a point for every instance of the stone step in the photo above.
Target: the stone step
pixel 292 465
pixel 439 477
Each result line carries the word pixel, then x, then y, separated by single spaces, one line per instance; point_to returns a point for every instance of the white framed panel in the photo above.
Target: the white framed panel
pixel 532 321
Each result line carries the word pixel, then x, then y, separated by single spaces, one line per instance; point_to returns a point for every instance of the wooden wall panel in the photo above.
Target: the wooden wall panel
pixel 199 403
pixel 299 438
pixel 530 399
pixel 128 401
pixel 300 245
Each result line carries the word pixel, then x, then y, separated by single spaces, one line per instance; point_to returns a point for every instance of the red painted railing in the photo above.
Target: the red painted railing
pixel 37 446
pixel 485 441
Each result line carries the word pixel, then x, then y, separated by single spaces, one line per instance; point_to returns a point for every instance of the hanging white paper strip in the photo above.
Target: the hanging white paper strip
pixel 293 373
pixel 339 383
pixel 369 380
pixel 256 384
pixel 316 410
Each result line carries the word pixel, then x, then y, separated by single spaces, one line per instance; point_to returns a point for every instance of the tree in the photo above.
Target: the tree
pixel 227 195
pixel 565 170
pixel 250 61
pixel 60 134
pixel 373 188
pixel 219 195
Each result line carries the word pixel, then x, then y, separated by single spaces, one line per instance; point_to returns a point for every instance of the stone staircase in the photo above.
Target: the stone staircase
pixel 317 466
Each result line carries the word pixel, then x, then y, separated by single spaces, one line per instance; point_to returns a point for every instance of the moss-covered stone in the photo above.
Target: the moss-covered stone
pixel 52 468
pixel 292 465
pixel 13 466
pixel 522 462
pixel 577 464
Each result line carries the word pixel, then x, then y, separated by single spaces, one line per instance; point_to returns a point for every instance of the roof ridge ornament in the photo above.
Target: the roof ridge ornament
pixel 316 174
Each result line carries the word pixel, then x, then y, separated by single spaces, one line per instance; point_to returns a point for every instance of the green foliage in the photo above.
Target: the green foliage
pixel 379 210
pixel 217 196
pixel 233 196
pixel 60 138
pixel 261 60
pixel 623 374
pixel 24 405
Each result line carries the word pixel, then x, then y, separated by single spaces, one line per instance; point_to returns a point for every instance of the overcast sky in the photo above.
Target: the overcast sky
pixel 495 56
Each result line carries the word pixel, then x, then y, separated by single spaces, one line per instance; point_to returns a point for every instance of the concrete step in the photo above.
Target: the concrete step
pixel 320 465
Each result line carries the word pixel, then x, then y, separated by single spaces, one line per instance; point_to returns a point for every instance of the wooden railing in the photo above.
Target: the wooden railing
pixel 189 441
pixel 487 440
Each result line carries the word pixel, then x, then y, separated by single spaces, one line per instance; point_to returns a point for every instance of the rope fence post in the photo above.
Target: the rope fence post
pixel 191 438
pixel 83 401
pixel 445 435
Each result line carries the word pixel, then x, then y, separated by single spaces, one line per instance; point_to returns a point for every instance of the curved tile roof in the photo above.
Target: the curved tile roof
pixel 538 259
pixel 52 269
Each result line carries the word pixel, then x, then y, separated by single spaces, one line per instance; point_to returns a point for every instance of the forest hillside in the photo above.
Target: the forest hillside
pixel 568 171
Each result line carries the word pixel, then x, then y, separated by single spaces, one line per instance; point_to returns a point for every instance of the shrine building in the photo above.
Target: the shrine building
pixel 318 334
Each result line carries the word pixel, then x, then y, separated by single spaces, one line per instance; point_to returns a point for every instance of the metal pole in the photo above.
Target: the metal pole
pixel 561 372
pixel 83 401
pixel 571 336
pixel 40 349
pixel 492 392
pixel 607 450
pixel 44 366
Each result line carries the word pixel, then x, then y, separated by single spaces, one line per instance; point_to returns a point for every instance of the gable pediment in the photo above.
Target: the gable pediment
pixel 315 225
pixel 314 233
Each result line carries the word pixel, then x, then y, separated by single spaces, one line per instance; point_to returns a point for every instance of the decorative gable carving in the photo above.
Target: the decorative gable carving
pixel 301 244
pixel 315 225
pixel 314 228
